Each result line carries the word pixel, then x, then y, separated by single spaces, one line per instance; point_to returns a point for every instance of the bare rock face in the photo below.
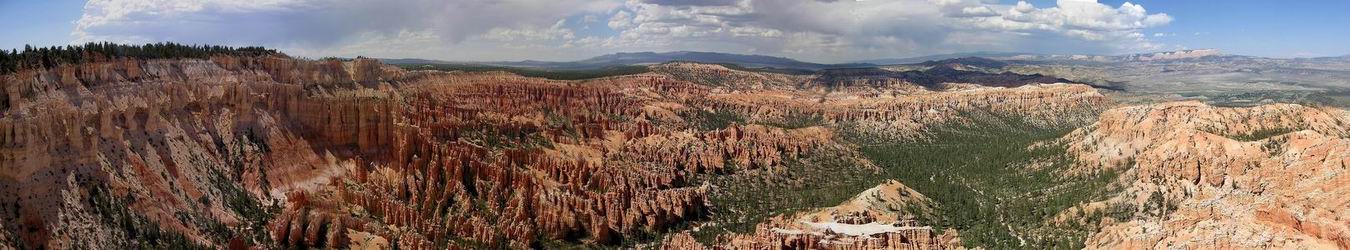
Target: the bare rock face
pixel 883 217
pixel 275 152
pixel 1261 177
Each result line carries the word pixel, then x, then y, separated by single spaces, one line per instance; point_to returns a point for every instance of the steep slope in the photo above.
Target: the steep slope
pixel 1199 176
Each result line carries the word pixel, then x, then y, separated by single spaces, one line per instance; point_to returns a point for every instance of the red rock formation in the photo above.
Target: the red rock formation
pixel 166 128
pixel 443 180
pixel 1282 188
pixel 359 153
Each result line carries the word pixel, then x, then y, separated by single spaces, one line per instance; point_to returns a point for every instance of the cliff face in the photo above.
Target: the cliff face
pixel 274 152
pixel 1202 176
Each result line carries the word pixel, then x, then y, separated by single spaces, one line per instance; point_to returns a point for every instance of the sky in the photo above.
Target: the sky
pixel 812 30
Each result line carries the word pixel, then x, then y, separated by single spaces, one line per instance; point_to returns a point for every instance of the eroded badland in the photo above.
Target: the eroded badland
pixel 274 152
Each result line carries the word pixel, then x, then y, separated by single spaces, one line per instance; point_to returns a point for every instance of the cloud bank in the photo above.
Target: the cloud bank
pixel 822 30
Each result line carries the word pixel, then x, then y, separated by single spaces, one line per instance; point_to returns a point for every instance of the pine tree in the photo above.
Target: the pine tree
pixel 4 62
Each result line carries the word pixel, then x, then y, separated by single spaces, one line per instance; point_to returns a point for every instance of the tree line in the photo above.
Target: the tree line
pixel 48 57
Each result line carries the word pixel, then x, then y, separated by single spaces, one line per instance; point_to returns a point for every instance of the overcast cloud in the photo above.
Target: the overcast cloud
pixel 821 30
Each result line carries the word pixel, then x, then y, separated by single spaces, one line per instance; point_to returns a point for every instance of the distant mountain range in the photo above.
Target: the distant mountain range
pixel 987 60
pixel 647 58
pixel 940 57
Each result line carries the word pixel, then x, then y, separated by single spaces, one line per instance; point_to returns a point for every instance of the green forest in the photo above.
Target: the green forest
pixel 48 57
pixel 993 186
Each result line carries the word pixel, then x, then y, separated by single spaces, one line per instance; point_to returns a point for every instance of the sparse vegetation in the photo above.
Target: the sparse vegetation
pixel 1158 205
pixel 253 213
pixel 141 233
pixel 1262 134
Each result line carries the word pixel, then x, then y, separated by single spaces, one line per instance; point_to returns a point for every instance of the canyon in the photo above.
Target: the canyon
pixel 269 151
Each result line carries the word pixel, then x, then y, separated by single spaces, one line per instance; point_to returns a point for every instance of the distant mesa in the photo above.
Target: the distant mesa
pixel 1174 55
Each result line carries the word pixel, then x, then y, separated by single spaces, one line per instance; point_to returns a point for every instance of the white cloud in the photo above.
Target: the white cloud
pixel 530 33
pixel 322 25
pixel 823 30
pixel 841 30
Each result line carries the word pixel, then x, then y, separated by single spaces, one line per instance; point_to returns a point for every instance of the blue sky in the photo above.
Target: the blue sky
pixel 575 29
pixel 1257 27
pixel 37 22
